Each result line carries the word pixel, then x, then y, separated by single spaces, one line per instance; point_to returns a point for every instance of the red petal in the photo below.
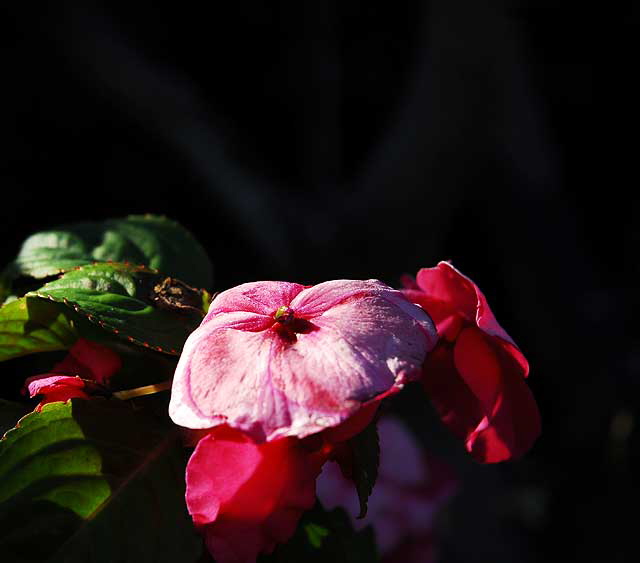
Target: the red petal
pixel 514 425
pixel 447 285
pixel 55 388
pixel 408 282
pixel 482 397
pixel 478 366
pixel 89 360
pixel 100 361
pixel 458 407
pixel 248 497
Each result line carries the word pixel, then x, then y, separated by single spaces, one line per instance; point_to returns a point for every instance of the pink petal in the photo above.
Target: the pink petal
pixel 483 397
pixel 514 424
pixel 262 298
pixel 247 497
pixel 458 407
pixel 55 388
pixel 408 282
pixel 216 471
pixel 447 285
pixel 318 299
pixel 478 366
pixel 90 360
pixel 354 341
pixel 446 292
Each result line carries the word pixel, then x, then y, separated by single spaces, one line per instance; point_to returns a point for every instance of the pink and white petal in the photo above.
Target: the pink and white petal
pixel 43 384
pixel 262 297
pixel 420 316
pixel 276 383
pixel 54 388
pixel 238 320
pixel 223 375
pixel 361 349
pixel 317 299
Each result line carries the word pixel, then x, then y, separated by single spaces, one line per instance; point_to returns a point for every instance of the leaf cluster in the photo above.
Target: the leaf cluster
pixel 99 480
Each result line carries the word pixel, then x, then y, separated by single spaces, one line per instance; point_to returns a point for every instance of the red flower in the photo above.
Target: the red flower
pixel 279 375
pixel 87 365
pixel 246 497
pixel 475 375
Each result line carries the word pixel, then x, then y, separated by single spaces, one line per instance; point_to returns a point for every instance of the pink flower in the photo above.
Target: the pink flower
pixel 278 359
pixel 56 388
pixel 246 497
pixel 86 366
pixel 272 364
pixel 475 377
pixel 409 492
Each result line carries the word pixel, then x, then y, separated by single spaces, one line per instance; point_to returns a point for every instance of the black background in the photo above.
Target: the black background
pixel 308 141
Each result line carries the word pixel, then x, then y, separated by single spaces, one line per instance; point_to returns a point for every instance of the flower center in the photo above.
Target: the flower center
pixel 284 315
pixel 288 326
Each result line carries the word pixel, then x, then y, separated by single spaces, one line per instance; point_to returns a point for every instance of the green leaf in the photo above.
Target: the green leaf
pixel 365 448
pixel 29 325
pixel 156 242
pixel 93 481
pixel 315 534
pixel 323 536
pixel 137 304
pixel 10 413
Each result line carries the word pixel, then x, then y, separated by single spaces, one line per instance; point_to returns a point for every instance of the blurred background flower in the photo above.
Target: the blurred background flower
pixel 410 490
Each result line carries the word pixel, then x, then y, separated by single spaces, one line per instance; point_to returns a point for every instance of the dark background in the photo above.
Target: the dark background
pixel 308 141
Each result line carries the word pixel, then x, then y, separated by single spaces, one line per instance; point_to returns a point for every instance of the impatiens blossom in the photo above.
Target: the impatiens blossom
pixel 409 492
pixel 246 497
pixel 86 366
pixel 475 377
pixel 281 373
pixel 278 359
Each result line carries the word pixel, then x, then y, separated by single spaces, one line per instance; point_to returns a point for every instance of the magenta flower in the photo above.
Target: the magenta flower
pixel 277 359
pixel 245 497
pixel 475 377
pixel 87 366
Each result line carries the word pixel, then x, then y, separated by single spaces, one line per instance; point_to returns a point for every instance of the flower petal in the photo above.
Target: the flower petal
pixel 350 346
pixel 262 298
pixel 90 360
pixel 513 426
pixel 483 397
pixel 447 285
pixel 55 388
pixel 478 366
pixel 247 497
pixel 223 375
